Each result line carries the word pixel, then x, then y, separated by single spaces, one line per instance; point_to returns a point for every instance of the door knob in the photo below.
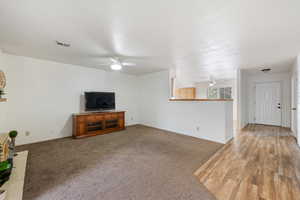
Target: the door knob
pixel 294 108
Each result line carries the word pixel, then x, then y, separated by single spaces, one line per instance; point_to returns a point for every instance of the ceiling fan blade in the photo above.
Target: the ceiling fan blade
pixel 128 64
pixel 134 57
pixel 116 55
pixel 114 60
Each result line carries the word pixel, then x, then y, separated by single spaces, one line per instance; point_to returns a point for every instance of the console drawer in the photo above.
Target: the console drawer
pixel 99 117
pixel 111 116
pixel 91 118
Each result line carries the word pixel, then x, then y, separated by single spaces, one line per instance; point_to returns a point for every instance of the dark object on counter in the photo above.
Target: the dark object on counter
pixel 5 171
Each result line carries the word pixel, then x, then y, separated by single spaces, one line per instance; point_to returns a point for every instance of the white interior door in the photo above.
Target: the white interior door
pixel 268 104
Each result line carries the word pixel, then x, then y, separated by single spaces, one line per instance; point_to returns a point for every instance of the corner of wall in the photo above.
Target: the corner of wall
pixel 242 99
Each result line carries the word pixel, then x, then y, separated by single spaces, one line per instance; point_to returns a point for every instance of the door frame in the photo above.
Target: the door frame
pixel 294 104
pixel 281 99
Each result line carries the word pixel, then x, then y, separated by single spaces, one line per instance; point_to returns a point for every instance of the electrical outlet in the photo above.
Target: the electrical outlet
pixel 198 128
pixel 131 118
pixel 27 133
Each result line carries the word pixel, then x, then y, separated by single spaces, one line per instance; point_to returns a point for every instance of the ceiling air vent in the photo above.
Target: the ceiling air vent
pixel 62 44
pixel 266 70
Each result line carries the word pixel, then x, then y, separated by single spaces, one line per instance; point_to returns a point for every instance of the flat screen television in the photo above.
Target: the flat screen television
pixel 99 101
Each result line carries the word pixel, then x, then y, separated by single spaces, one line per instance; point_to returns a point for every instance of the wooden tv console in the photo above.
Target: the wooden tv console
pixel 97 123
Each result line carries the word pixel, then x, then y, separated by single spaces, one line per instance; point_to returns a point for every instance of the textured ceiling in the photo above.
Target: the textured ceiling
pixel 200 38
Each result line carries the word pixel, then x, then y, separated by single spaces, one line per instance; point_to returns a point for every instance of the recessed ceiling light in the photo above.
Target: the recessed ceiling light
pixel 116 66
pixel 62 44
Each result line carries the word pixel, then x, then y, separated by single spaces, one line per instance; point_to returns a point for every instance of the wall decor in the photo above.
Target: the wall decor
pixel 2 80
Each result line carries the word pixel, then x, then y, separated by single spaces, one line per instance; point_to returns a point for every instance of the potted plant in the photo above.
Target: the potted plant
pixel 13 134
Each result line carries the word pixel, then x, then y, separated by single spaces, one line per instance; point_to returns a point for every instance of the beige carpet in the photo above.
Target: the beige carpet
pixel 140 163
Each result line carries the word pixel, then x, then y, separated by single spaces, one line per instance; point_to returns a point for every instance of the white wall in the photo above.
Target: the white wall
pixel 284 79
pixel 3 67
pixel 42 96
pixel 206 120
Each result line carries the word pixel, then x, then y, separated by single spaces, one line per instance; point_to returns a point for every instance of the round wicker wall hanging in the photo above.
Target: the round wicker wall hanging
pixel 2 80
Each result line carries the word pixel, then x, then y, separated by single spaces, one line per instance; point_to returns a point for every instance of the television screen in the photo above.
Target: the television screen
pixel 99 101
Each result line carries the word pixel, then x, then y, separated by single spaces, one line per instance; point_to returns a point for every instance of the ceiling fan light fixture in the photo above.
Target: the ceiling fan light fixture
pixel 116 66
pixel 212 83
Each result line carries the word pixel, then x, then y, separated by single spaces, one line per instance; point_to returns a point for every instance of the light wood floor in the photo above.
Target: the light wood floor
pixel 261 163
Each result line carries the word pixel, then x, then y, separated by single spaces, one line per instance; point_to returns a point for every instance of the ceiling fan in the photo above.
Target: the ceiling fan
pixel 117 64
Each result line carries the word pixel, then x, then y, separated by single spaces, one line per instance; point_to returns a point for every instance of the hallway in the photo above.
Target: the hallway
pixel 261 162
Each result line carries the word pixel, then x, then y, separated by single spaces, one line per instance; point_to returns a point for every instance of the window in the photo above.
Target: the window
pixel 225 93
pixel 212 93
pixel 219 93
